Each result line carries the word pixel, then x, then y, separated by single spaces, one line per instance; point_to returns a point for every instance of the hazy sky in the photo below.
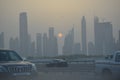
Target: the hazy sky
pixel 61 14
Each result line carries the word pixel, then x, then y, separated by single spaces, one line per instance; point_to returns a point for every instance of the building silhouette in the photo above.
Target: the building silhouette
pixel 77 48
pixel 91 48
pixel 11 43
pixel 39 44
pixel 2 40
pixel 52 43
pixel 103 37
pixel 115 45
pixel 69 43
pixel 45 45
pixel 14 44
pixel 23 34
pixel 32 50
pixel 31 47
pixel 118 41
pixel 84 42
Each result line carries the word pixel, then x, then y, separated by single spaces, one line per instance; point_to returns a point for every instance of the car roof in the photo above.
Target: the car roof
pixel 5 49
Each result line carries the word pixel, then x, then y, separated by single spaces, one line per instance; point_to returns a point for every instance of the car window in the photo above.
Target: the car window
pixel 9 56
pixel 4 56
pixel 14 56
pixel 118 57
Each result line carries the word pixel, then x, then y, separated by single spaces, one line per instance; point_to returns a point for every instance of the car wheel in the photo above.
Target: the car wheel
pixel 107 75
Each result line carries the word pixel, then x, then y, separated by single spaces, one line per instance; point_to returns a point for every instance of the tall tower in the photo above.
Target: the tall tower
pixel 98 43
pixel 119 35
pixel 119 41
pixel 52 43
pixel 69 43
pixel 2 40
pixel 84 42
pixel 103 37
pixel 45 44
pixel 23 34
pixel 39 44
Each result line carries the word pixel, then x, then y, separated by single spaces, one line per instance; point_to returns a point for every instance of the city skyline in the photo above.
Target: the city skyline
pixel 63 33
pixel 60 14
pixel 102 30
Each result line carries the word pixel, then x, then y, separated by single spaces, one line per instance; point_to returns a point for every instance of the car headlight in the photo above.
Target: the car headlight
pixel 2 69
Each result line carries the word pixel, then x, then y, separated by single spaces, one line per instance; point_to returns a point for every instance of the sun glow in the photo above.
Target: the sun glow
pixel 60 35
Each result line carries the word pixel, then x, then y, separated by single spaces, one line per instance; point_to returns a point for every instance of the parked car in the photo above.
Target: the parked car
pixel 109 68
pixel 13 67
pixel 57 63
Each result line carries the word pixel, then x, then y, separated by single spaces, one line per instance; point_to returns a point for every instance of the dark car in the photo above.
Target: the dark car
pixel 57 63
pixel 13 67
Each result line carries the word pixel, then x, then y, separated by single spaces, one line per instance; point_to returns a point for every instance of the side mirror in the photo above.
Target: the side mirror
pixel 24 59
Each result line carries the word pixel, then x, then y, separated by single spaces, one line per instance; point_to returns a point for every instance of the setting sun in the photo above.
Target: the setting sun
pixel 60 35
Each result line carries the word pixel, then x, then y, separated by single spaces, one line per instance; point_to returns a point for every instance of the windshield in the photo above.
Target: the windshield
pixel 9 56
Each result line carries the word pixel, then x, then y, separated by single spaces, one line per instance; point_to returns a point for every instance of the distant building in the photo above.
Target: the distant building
pixel 52 43
pixel 77 48
pixel 29 45
pixel 119 36
pixel 2 40
pixel 69 43
pixel 11 43
pixel 115 45
pixel 39 44
pixel 32 49
pixel 23 34
pixel 14 44
pixel 45 45
pixel 103 37
pixel 119 41
pixel 91 48
pixel 84 42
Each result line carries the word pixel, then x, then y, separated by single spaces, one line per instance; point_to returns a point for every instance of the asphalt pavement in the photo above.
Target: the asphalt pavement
pixel 67 76
pixel 72 72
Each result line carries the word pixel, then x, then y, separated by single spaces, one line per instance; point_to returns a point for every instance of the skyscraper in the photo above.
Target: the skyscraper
pixel 91 48
pixel 23 34
pixel 84 46
pixel 2 40
pixel 32 49
pixel 118 47
pixel 52 43
pixel 103 37
pixel 39 44
pixel 119 35
pixel 77 48
pixel 45 45
pixel 69 43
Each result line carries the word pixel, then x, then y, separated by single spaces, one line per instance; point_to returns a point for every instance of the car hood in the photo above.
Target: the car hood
pixel 15 63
